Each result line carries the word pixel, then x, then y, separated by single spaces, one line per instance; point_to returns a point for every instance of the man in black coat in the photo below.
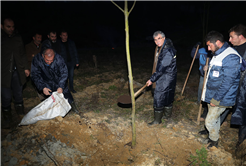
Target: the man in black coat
pixel 70 55
pixel 14 70
pixel 165 76
pixel 238 40
pixel 49 73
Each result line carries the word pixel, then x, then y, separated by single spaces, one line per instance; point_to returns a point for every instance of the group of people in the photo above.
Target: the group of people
pixel 225 83
pixel 50 65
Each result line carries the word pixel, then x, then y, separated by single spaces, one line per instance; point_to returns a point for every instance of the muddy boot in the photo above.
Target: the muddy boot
pixel 74 108
pixel 7 117
pixel 213 143
pixel 158 112
pixel 167 112
pixel 19 108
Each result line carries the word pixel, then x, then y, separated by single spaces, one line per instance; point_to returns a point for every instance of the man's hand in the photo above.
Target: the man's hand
pixel 77 65
pixel 149 83
pixel 59 90
pixel 27 73
pixel 205 68
pixel 46 91
pixel 211 104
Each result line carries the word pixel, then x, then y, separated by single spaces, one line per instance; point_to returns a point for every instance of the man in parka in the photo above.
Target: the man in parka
pixel 164 76
pixel 14 70
pixel 222 81
pixel 49 73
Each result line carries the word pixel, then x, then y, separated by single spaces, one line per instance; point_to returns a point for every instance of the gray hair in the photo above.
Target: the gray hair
pixel 157 33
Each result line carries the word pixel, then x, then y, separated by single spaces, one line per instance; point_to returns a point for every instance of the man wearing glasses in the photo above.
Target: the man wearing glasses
pixel 163 79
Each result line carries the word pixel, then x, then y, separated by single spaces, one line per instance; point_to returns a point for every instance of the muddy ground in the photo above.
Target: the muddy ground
pixel 101 133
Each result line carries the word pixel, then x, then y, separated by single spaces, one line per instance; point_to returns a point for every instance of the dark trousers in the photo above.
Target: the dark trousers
pixel 70 67
pixel 16 88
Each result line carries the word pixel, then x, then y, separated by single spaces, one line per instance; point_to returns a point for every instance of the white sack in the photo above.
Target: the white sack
pixel 55 105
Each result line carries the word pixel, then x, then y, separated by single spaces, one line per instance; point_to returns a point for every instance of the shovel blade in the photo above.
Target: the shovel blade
pixel 124 99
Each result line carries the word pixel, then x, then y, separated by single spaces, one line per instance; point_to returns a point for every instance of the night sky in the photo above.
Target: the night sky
pixel 101 23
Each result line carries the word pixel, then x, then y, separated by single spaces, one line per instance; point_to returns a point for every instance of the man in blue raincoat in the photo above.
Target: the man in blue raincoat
pixel 165 76
pixel 49 73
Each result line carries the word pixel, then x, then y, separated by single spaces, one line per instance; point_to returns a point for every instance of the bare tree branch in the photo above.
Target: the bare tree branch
pixel 117 6
pixel 132 7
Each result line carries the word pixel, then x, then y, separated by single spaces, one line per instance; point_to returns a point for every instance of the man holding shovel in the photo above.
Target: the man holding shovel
pixel 164 75
pixel 221 84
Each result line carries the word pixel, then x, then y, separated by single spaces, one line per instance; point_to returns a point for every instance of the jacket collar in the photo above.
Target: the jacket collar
pixel 225 46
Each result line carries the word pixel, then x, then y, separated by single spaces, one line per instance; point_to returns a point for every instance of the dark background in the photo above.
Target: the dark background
pixel 93 24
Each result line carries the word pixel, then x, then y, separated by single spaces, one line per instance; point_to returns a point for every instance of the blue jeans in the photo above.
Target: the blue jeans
pixel 70 67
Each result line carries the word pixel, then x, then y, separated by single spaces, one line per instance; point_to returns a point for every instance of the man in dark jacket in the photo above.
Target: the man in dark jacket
pixel 164 76
pixel 34 47
pixel 238 40
pixel 52 40
pixel 70 55
pixel 221 84
pixel 14 69
pixel 49 73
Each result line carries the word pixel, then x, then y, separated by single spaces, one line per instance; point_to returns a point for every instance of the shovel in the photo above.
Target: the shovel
pixel 126 99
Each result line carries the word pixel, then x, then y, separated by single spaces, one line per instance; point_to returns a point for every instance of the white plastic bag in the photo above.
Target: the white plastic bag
pixel 55 105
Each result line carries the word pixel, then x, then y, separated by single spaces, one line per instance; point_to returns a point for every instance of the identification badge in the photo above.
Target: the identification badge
pixel 216 73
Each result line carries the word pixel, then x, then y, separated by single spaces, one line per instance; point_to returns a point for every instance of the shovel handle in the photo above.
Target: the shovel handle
pixel 140 90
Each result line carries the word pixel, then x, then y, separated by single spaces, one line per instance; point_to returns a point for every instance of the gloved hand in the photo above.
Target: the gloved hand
pixel 198 43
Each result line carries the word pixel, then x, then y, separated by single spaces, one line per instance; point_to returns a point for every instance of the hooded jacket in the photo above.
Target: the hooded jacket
pixel 165 75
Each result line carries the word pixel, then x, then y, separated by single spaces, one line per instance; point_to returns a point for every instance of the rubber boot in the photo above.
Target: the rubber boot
pixel 158 113
pixel 19 108
pixel 7 117
pixel 167 112
pixel 213 143
pixel 74 108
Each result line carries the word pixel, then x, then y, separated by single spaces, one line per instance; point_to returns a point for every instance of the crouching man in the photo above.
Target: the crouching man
pixel 49 73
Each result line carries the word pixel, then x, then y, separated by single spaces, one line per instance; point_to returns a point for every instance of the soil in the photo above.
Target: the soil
pixel 102 133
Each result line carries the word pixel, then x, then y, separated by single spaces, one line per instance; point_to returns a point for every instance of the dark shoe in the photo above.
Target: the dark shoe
pixel 7 114
pixel 158 113
pixel 19 108
pixel 72 90
pixel 204 140
pixel 203 132
pixel 213 143
pixel 74 108
pixel 167 112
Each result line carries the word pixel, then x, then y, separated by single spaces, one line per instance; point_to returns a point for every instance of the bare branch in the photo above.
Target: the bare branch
pixel 117 6
pixel 132 7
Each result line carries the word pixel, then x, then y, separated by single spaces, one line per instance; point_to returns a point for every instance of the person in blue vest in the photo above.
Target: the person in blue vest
pixel 238 40
pixel 221 84
pixel 202 55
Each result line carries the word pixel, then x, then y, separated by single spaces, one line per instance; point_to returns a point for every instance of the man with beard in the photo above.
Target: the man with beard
pixel 238 40
pixel 34 47
pixel 164 75
pixel 14 70
pixel 52 40
pixel 221 84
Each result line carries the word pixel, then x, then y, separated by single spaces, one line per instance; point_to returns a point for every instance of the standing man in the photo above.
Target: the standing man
pixel 70 55
pixel 238 40
pixel 164 76
pixel 221 84
pixel 14 70
pixel 52 40
pixel 49 73
pixel 34 47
